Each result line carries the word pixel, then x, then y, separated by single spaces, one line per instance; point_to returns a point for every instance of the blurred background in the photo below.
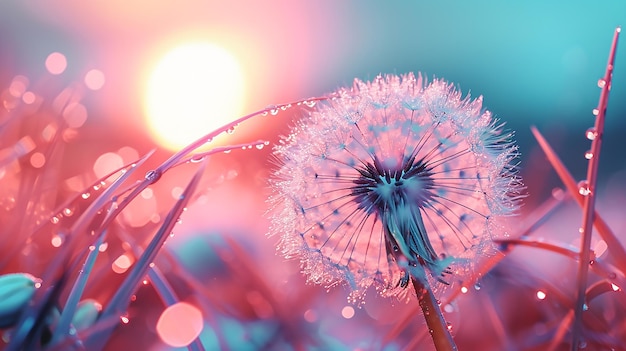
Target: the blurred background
pixel 156 74
pixel 535 63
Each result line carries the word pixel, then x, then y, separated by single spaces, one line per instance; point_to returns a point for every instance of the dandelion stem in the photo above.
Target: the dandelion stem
pixel 589 204
pixel 437 326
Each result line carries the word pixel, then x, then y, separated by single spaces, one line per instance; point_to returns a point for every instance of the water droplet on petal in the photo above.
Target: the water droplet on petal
pixel 601 83
pixel 589 155
pixel 477 286
pixel 85 196
pixel 260 146
pixel 230 130
pixel 585 307
pixel 595 111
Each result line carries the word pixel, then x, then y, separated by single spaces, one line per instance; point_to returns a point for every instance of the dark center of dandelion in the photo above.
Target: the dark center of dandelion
pixel 398 196
pixel 380 188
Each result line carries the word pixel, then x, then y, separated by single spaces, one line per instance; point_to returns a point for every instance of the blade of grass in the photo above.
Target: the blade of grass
pixel 615 249
pixel 121 299
pixel 177 157
pixel 589 201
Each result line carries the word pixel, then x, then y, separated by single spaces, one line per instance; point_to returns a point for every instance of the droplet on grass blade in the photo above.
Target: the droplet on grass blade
pixel 389 175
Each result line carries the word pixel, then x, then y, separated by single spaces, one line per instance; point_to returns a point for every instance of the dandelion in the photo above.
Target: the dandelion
pixel 390 180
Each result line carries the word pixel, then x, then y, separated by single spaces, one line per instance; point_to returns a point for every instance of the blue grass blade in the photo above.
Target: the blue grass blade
pixel 90 212
pixel 64 324
pixel 120 301
pixel 80 225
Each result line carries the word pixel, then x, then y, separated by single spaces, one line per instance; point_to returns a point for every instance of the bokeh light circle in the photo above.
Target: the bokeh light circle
pixel 94 79
pixel 194 89
pixel 180 324
pixel 56 63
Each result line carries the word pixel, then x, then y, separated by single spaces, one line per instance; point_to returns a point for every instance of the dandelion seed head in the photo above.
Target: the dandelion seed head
pixel 388 175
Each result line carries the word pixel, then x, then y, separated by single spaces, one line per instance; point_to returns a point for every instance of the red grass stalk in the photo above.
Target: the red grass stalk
pixel 589 201
pixel 435 322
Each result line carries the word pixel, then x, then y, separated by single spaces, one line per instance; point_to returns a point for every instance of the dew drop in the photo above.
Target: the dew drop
pixel 227 151
pixel 264 113
pixel 449 326
pixel 589 155
pixel 68 211
pixel 260 146
pixel 92 247
pixel 601 83
pixel 153 175
pixel 583 188
pixel 595 111
pixel 309 103
pixel 274 111
pixel 541 295
pixel 464 290
pixel 591 133
pixel 582 345
pixel 54 220
pixel 477 286
pixel 196 159
pixel 86 195
pixel 585 307
pixel 230 130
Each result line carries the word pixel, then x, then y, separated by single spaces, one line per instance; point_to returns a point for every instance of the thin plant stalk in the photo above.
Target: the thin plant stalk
pixel 540 215
pixel 437 326
pixel 589 203
pixel 614 248
pixel 119 302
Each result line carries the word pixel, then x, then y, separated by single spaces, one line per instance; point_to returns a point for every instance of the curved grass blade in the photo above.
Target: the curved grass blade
pixel 177 157
pixel 120 301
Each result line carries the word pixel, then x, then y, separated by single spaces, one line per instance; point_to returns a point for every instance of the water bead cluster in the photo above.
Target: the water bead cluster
pixel 390 175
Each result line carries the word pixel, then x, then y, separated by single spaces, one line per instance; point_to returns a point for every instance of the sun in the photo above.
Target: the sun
pixel 194 89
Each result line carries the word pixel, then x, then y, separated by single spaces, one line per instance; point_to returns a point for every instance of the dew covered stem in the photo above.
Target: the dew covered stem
pixel 435 322
pixel 589 201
